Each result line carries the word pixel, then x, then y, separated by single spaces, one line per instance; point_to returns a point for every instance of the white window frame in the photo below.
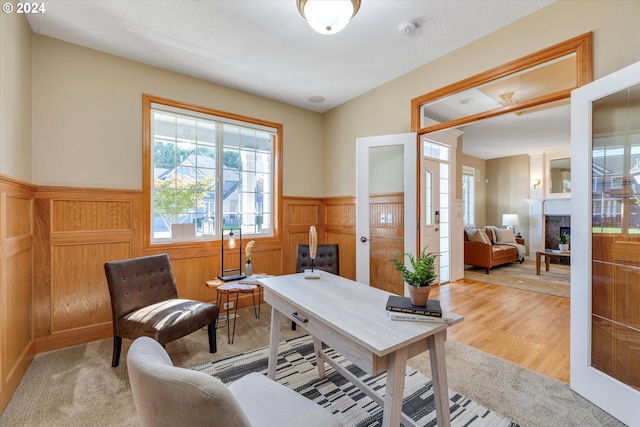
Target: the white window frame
pixel 258 162
pixel 468 195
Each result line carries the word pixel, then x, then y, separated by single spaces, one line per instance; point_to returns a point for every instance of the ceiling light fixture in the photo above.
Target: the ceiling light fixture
pixel 328 16
pixel 507 98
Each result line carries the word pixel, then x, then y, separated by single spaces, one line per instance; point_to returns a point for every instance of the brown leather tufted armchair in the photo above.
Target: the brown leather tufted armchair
pixel 144 302
pixel 327 259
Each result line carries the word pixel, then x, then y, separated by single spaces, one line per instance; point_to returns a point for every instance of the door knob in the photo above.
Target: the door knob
pixel 364 239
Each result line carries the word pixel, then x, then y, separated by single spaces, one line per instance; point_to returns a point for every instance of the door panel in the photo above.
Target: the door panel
pixel 605 277
pixel 385 208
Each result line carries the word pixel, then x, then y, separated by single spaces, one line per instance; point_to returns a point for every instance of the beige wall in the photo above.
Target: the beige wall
pixel 87 107
pixel 386 109
pixel 480 187
pixel 507 189
pixel 15 102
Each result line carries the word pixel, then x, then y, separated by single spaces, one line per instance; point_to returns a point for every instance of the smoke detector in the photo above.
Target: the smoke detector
pixel 407 28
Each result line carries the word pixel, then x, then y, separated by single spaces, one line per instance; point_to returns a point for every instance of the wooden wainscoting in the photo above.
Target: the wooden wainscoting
pixel 387 240
pixel 78 230
pixel 16 284
pixel 54 242
pixel 339 220
pixel 300 213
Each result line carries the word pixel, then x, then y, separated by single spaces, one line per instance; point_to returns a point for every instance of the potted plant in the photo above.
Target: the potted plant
pixel 421 275
pixel 564 242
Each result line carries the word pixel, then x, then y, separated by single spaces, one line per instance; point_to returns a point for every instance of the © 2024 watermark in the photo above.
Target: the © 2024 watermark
pixel 32 7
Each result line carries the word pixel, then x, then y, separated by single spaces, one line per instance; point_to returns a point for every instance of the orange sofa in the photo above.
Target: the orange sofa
pixel 488 255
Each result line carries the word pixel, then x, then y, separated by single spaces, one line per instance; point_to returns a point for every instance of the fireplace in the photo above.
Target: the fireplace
pixel 554 226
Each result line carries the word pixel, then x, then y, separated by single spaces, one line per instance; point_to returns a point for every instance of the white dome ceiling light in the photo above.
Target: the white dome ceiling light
pixel 328 16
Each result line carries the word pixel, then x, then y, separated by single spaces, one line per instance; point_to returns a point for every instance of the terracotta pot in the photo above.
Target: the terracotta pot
pixel 419 296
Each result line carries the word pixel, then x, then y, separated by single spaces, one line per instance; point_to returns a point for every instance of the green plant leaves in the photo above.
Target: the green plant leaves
pixel 423 271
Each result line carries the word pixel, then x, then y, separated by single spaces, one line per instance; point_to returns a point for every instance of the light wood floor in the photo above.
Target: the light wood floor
pixel 526 328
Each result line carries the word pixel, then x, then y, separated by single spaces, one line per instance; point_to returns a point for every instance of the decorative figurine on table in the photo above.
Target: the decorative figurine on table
pixel 248 268
pixel 313 248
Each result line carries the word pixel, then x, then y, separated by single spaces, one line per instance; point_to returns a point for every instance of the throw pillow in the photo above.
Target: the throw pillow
pixel 505 235
pixel 477 235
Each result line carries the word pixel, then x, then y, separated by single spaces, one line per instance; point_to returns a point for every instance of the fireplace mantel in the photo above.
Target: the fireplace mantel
pixel 538 209
pixel 556 206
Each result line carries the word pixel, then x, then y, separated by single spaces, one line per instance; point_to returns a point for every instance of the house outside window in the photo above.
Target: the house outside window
pixel 468 195
pixel 211 171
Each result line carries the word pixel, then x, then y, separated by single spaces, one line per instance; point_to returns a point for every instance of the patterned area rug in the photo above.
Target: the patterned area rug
pixel 523 276
pixel 297 370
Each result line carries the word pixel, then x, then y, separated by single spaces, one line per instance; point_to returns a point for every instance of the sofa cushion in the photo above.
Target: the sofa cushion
pixel 505 235
pixel 499 252
pixel 478 235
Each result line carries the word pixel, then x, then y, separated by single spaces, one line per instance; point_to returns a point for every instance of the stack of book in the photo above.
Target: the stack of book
pixel 400 308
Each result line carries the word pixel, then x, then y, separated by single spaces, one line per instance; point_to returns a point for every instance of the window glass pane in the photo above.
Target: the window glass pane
pixel 468 190
pixel 428 217
pixel 187 186
pixel 444 227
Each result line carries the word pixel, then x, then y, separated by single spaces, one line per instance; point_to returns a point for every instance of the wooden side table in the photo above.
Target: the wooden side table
pixel 234 287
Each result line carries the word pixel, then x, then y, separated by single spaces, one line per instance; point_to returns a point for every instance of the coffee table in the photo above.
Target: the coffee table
pixel 351 318
pixel 548 253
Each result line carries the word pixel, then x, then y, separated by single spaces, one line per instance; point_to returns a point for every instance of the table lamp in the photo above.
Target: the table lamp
pixel 509 221
pixel 231 243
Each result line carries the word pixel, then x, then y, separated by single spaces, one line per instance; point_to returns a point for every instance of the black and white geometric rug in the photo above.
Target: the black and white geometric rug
pixel 297 370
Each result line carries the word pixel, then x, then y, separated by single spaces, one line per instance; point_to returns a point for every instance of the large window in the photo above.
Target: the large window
pixel 207 171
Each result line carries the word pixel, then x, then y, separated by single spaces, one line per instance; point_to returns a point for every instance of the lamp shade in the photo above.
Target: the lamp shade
pixel 509 220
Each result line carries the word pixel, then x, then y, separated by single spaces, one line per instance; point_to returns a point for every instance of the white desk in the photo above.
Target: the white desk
pixel 351 318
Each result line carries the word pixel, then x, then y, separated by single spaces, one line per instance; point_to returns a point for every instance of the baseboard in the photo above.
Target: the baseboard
pixel 15 375
pixel 74 337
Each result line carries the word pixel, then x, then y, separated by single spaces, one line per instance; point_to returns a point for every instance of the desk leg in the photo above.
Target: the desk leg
pixel 439 378
pixel 273 343
pixel 395 388
pixel 547 260
pixel 317 347
pixel 538 256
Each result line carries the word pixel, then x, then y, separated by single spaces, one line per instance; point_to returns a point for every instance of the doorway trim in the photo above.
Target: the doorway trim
pixel 581 46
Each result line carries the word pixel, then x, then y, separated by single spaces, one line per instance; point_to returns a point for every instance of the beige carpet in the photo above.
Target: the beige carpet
pixel 556 281
pixel 77 386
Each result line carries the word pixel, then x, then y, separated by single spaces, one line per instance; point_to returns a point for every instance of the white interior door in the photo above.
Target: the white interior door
pixel 605 243
pixel 386 171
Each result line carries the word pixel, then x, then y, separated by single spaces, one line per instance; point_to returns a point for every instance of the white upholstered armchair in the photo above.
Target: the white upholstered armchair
pixel 165 395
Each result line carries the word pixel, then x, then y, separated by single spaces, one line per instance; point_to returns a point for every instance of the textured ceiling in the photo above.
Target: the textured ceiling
pixel 266 48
